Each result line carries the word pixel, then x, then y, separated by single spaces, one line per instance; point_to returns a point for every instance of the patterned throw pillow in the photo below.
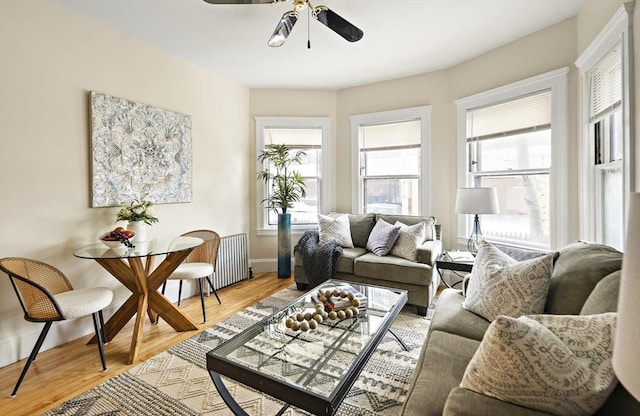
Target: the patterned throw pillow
pixel 410 237
pixel 382 238
pixel 335 229
pixel 499 285
pixel 560 364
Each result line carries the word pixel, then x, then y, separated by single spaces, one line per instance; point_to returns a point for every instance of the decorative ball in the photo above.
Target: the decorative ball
pixel 327 294
pixel 308 316
pixel 300 317
pixel 322 298
pixel 319 309
pixel 355 302
pixel 313 324
pixel 341 315
pixel 289 322
pixel 343 294
pixel 318 318
pixel 348 313
pixel 333 315
pixel 325 315
pixel 350 296
pixel 336 292
pixel 354 311
pixel 295 326
pixel 304 326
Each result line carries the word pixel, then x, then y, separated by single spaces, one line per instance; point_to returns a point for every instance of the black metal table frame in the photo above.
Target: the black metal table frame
pixel 443 263
pixel 297 397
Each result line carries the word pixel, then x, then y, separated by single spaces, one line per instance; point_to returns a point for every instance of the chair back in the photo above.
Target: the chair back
pixel 207 252
pixel 35 283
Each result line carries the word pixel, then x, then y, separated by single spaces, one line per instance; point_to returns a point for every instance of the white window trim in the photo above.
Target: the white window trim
pixel 323 123
pixel 556 81
pixel 619 28
pixel 423 114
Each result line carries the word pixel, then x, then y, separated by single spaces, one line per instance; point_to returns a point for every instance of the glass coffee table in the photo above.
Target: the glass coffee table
pixel 314 369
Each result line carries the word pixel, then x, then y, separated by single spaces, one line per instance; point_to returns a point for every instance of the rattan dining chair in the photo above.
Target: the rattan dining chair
pixel 199 265
pixel 46 295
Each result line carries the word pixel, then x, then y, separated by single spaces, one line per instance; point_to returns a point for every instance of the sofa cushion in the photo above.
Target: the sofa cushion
pixel 346 261
pixel 560 364
pixel 604 297
pixel 466 402
pixel 382 238
pixel 440 368
pixel 335 228
pixel 501 286
pixel 410 237
pixel 430 232
pixel 361 226
pixel 392 268
pixel 577 270
pixel 450 317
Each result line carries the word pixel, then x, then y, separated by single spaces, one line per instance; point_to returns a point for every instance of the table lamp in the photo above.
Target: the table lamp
pixel 476 201
pixel 626 348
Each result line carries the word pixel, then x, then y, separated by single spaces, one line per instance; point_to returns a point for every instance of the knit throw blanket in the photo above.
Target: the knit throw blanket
pixel 320 260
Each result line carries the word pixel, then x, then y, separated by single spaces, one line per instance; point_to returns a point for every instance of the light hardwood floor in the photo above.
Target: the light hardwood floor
pixel 64 372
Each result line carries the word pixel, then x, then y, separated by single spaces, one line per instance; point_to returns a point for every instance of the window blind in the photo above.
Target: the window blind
pixel 524 114
pixel 605 83
pixel 390 135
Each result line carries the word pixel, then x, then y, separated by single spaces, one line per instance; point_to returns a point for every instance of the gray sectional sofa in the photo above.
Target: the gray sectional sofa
pixel 584 281
pixel 357 264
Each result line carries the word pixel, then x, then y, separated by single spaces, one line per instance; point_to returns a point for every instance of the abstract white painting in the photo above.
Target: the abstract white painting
pixel 137 150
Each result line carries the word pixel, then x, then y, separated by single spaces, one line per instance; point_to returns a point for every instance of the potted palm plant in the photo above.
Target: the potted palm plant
pixel 287 187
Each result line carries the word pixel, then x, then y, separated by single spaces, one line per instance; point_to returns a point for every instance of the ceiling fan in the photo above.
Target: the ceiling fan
pixel 321 13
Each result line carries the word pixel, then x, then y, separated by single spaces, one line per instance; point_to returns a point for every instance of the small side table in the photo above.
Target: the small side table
pixel 444 262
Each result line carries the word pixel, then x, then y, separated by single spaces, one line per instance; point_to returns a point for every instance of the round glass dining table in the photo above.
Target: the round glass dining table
pixel 125 264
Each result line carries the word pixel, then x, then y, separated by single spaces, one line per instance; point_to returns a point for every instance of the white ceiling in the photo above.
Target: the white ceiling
pixel 401 37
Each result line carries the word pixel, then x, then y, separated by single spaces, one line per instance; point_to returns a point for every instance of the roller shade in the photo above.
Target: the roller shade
pixel 524 114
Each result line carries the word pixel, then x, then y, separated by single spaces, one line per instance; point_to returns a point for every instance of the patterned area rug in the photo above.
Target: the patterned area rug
pixel 176 381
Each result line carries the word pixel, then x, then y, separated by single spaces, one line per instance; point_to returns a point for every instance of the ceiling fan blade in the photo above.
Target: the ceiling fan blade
pixel 242 1
pixel 336 23
pixel 285 26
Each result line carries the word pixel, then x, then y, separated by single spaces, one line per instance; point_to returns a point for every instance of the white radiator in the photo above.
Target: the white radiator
pixel 232 265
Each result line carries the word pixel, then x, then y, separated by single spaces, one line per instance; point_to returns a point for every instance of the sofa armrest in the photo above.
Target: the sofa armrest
pixel 463 402
pixel 429 251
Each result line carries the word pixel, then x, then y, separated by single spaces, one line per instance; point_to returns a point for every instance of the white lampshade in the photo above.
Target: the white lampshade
pixel 626 348
pixel 477 201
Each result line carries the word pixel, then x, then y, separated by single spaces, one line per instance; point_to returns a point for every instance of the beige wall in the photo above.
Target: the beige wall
pixel 49 61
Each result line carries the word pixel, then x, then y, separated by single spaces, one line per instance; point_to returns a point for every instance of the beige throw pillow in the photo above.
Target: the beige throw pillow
pixel 335 228
pixel 410 237
pixel 560 364
pixel 499 285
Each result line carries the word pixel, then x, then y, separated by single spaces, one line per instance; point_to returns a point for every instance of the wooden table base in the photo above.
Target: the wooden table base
pixel 145 298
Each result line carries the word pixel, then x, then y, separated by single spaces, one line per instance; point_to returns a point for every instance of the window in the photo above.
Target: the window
pixel 514 139
pixel 311 135
pixel 391 158
pixel 607 161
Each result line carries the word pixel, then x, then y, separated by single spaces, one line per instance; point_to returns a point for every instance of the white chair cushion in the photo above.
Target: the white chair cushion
pixel 192 271
pixel 82 302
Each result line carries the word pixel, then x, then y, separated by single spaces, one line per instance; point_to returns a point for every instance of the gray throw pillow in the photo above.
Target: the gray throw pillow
pixel 500 285
pixel 559 364
pixel 382 238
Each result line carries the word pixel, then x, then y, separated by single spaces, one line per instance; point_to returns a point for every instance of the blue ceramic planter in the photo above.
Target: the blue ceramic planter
pixel 284 245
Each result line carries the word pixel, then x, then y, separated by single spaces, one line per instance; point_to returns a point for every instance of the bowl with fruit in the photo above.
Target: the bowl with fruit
pixel 117 238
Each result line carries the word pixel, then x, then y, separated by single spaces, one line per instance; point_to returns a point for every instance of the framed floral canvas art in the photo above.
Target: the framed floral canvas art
pixel 138 149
